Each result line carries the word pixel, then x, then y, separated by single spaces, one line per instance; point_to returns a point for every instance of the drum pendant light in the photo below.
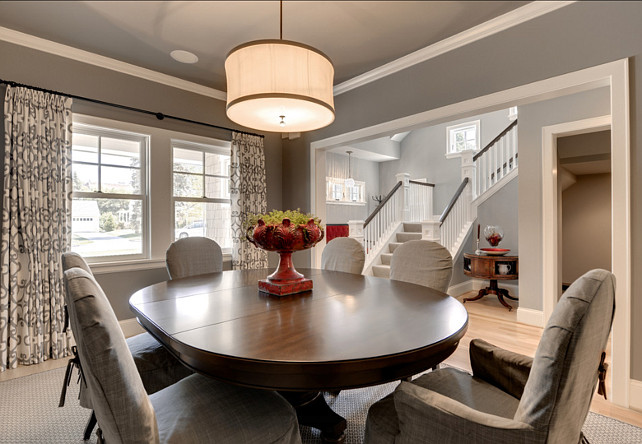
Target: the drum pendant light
pixel 279 85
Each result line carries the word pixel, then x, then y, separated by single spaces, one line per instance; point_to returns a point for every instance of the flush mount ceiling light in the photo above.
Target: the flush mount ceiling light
pixel 279 85
pixel 183 56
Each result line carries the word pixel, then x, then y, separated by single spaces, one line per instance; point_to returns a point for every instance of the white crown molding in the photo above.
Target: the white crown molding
pixel 40 44
pixel 501 23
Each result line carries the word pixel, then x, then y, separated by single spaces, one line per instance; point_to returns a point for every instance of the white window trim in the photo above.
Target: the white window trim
pixel 344 200
pixel 216 146
pixel 451 154
pixel 160 222
pixel 144 139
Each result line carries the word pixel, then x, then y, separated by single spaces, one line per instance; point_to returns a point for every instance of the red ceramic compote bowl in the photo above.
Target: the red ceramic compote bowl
pixel 285 238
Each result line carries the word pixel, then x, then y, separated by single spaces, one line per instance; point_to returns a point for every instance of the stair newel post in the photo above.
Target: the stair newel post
pixel 403 208
pixel 468 169
pixel 430 230
pixel 356 230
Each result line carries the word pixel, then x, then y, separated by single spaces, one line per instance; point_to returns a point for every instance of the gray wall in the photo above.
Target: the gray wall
pixel 531 120
pixel 499 209
pixel 586 226
pixel 423 155
pixel 578 36
pixel 44 70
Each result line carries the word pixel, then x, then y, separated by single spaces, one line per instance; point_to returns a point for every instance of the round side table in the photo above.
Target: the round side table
pixel 493 268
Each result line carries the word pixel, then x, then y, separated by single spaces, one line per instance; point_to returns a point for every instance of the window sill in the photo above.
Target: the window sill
pixel 136 265
pixel 339 202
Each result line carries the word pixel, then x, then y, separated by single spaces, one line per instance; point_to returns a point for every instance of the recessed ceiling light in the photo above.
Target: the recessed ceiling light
pixel 183 56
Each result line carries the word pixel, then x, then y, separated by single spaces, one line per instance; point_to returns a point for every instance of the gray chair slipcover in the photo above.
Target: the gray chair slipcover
pixel 422 262
pixel 156 366
pixel 196 409
pixel 192 256
pixel 343 254
pixel 510 398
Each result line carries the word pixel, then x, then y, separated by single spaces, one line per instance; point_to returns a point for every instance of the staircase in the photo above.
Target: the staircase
pixel 406 212
pixel 411 231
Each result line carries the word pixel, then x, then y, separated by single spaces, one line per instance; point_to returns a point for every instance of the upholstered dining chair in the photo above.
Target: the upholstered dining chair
pixel 196 409
pixel 156 366
pixel 343 254
pixel 422 262
pixel 510 398
pixel 192 256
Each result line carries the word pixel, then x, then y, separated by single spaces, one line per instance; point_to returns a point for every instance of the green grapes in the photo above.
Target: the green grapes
pixel 275 217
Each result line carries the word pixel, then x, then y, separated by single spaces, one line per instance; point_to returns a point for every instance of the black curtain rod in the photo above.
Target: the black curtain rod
pixel 159 116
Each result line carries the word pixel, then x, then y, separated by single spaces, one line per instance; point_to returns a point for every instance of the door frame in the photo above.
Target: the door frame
pixel 613 74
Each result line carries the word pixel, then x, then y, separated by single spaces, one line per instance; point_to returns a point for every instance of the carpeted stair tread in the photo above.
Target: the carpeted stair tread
pixel 385 258
pixel 381 271
pixel 405 237
pixel 410 227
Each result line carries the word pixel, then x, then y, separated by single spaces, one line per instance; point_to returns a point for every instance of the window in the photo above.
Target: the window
pixel 462 137
pixel 202 205
pixel 109 207
pixel 338 192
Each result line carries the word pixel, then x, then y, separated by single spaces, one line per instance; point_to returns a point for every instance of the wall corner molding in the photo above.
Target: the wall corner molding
pixel 486 29
pixel 48 46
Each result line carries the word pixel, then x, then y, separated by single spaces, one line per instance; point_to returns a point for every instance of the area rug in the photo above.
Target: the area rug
pixel 29 413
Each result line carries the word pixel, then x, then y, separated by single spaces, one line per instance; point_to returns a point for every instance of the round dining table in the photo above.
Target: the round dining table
pixel 349 331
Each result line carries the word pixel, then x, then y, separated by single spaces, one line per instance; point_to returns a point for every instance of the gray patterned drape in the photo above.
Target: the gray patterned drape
pixel 36 213
pixel 248 192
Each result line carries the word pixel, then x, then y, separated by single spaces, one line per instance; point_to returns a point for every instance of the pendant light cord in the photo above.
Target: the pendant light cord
pixel 281 19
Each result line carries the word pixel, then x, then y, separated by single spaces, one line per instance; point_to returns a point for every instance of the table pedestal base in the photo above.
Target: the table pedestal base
pixel 313 411
pixel 493 289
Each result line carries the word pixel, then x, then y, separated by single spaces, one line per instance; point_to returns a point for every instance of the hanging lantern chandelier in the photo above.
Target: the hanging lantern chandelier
pixel 279 85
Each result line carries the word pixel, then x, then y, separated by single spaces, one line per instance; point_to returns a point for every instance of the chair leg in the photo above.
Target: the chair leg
pixel 99 436
pixel 90 426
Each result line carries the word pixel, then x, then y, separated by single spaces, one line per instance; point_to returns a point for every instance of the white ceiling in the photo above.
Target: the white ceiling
pixel 358 36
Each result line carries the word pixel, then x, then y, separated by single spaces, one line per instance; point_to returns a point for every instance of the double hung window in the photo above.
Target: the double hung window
pixel 463 137
pixel 109 199
pixel 202 205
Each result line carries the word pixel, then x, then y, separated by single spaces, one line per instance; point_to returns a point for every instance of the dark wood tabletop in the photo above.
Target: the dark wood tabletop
pixel 349 331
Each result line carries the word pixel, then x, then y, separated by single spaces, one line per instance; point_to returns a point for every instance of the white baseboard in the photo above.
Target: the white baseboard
pixel 635 394
pixel 131 327
pixel 461 288
pixel 530 316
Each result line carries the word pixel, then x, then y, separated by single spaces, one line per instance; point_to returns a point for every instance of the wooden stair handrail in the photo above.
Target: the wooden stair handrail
pixel 426 184
pixel 383 202
pixel 450 206
pixel 494 141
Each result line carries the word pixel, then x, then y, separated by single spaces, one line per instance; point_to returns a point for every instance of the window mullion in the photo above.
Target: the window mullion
pixel 100 185
pixel 204 191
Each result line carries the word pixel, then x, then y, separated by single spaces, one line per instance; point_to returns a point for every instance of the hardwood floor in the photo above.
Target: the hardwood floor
pixel 490 321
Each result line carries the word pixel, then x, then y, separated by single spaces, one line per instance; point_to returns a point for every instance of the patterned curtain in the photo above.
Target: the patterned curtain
pixel 248 194
pixel 36 213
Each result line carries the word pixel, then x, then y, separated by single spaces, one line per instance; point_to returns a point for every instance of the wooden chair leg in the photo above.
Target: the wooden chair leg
pixel 90 426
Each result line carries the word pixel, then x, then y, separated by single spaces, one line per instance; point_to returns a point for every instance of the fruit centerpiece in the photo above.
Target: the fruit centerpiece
pixel 284 232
